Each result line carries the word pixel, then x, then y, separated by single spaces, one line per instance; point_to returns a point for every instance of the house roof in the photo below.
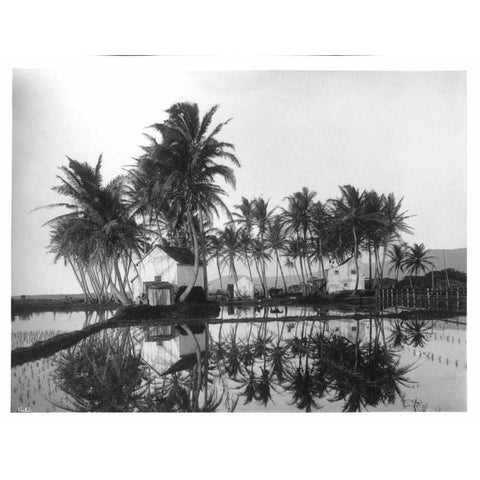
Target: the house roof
pixel 181 255
pixel 186 362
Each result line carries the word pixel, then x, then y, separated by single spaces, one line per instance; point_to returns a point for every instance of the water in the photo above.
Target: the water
pixel 264 365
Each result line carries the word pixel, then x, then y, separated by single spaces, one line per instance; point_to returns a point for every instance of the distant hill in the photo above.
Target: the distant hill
pixel 454 258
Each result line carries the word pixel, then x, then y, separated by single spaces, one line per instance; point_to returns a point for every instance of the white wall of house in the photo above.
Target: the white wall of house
pixel 158 264
pixel 188 345
pixel 343 277
pixel 186 273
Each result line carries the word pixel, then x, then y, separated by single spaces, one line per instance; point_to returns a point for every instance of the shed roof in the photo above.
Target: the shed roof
pixel 160 284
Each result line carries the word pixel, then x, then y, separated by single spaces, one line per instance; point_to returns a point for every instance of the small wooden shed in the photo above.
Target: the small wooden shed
pixel 158 292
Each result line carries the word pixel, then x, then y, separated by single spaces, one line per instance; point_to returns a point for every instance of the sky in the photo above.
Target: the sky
pixel 401 132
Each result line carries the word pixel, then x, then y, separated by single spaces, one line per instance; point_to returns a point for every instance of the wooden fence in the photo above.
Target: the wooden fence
pixel 454 298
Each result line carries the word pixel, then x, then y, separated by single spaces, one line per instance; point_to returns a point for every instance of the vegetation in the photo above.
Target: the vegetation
pixel 172 195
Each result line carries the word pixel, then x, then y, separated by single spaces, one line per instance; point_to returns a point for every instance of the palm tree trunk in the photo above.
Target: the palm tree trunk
pixel 124 299
pixel 196 252
pixel 260 277
pixel 78 280
pixel 320 256
pixel 281 272
pixel 204 252
pixel 357 276
pixel 276 275
pixel 219 274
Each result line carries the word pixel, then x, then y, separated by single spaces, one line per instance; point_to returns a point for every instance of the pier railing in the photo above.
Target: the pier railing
pixel 454 298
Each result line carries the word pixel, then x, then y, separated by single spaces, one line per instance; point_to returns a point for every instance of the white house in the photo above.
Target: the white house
pixel 343 276
pixel 244 288
pixel 174 265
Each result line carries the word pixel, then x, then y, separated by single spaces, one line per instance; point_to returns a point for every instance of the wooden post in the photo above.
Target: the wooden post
pixel 428 298
pixel 458 299
pixel 446 298
pixel 408 299
pixel 414 299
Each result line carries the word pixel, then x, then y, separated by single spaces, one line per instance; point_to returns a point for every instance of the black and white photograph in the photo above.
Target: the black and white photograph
pixel 238 241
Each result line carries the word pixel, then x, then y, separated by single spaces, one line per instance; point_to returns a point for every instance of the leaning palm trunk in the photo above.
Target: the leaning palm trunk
pixel 123 293
pixel 78 279
pixel 196 251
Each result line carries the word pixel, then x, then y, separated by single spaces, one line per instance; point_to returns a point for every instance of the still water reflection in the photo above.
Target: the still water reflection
pixel 268 364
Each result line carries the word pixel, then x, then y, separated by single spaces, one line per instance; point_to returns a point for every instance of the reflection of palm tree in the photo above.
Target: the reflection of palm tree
pixel 416 333
pixel 302 383
pixel 398 338
pixel 103 374
pixel 278 356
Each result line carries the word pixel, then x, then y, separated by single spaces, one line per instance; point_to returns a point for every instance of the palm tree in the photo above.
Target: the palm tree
pixel 374 204
pixel 319 218
pixel 397 255
pixel 297 216
pixel 349 213
pixel 417 258
pixel 214 246
pixel 292 251
pixel 262 217
pixel 393 222
pixel 260 257
pixel 276 241
pixel 99 235
pixel 188 160
pixel 231 247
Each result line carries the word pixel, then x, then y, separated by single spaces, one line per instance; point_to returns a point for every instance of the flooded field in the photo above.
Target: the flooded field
pixel 247 360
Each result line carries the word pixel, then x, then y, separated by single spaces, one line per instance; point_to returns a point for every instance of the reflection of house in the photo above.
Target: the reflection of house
pixel 343 276
pixel 348 329
pixel 170 349
pixel 174 265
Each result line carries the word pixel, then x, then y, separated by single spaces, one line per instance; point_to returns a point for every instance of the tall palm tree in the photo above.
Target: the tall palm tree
pixel 231 247
pixel 393 223
pixel 297 216
pixel 262 217
pixel 319 218
pixel 214 247
pixel 397 255
pixel 188 159
pixel 99 235
pixel 349 214
pixel 276 241
pixel 417 259
pixel 374 204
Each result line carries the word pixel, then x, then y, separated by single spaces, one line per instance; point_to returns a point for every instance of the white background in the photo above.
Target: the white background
pixel 427 36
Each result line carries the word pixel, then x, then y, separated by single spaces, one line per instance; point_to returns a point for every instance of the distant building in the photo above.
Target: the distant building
pixel 244 287
pixel 343 276
pixel 173 265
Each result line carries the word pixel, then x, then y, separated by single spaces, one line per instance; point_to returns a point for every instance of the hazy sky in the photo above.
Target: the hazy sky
pixel 394 132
